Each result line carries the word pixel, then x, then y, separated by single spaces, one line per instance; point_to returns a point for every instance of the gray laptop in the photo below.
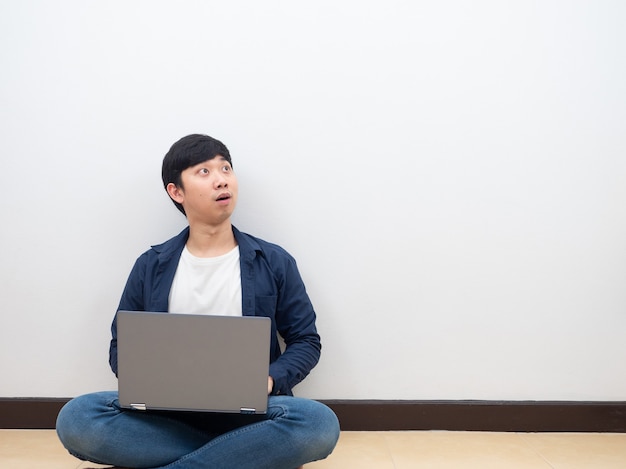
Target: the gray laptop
pixel 188 362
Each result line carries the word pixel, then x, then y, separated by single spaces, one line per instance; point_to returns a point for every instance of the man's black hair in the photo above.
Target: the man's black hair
pixel 190 151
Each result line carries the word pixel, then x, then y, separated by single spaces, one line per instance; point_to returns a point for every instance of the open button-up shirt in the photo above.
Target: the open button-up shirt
pixel 271 286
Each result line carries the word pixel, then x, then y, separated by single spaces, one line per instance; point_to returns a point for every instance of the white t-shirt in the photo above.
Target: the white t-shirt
pixel 210 285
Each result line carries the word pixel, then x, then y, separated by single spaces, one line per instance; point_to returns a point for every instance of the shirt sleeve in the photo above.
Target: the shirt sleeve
pixel 295 322
pixel 132 300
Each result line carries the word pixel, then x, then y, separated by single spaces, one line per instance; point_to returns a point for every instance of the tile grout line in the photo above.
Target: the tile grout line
pixel 387 447
pixel 529 445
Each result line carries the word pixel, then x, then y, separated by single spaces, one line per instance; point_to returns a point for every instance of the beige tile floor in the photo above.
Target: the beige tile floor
pixel 40 449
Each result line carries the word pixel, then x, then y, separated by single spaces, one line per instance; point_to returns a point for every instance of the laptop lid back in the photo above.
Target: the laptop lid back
pixel 193 362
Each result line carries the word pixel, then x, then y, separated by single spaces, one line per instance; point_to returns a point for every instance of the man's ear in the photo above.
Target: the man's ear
pixel 175 192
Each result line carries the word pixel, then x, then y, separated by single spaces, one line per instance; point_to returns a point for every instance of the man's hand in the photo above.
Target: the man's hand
pixel 270 385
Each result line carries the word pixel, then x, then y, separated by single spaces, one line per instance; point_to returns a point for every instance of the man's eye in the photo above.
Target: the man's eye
pixel 204 171
pixel 227 169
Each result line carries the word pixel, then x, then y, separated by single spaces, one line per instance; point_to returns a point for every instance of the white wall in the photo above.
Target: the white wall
pixel 451 177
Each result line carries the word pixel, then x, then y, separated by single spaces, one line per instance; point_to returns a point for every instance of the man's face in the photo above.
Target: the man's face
pixel 208 192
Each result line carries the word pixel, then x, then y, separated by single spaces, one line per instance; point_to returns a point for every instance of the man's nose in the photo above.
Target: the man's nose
pixel 220 181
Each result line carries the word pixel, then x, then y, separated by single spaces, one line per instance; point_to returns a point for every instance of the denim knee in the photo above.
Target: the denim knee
pixel 311 426
pixel 75 422
pixel 324 441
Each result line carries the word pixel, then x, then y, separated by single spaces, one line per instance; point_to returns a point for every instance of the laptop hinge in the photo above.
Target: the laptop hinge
pixel 138 406
pixel 247 410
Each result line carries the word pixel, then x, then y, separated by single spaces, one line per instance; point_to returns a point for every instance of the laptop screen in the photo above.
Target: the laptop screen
pixel 193 362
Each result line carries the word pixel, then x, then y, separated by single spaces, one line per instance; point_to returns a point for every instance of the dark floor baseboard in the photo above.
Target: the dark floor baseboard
pixel 30 413
pixel 497 416
pixel 370 415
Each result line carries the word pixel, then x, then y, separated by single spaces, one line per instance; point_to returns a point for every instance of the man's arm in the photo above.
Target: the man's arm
pixel 295 321
pixel 132 300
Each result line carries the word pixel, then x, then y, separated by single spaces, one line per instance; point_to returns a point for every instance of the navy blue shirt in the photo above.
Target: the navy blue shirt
pixel 271 286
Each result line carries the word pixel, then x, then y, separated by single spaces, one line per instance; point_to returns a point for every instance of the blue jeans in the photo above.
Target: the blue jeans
pixel 295 431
